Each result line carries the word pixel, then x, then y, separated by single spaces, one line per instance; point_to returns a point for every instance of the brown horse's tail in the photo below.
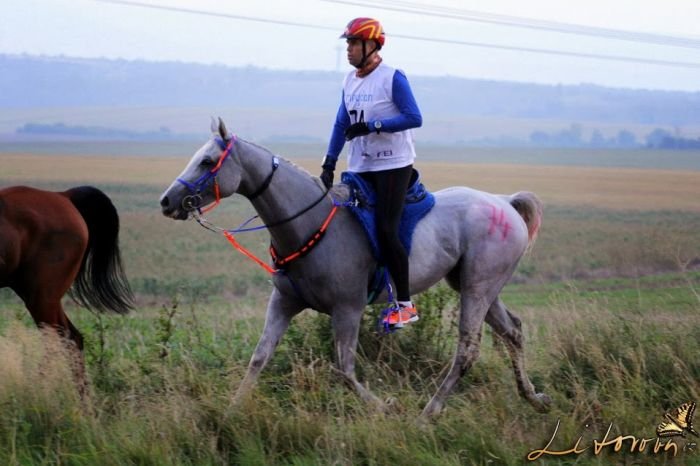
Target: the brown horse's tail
pixel 529 207
pixel 101 283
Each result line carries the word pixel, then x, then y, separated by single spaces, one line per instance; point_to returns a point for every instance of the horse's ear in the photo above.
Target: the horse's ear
pixel 214 126
pixel 223 132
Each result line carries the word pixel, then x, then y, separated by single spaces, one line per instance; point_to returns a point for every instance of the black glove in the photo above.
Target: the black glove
pixel 356 129
pixel 327 178
pixel 328 168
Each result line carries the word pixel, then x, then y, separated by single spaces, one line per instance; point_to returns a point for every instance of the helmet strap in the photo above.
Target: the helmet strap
pixel 373 61
pixel 365 55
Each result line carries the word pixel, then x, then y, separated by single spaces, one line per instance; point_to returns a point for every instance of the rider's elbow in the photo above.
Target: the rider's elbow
pixel 417 120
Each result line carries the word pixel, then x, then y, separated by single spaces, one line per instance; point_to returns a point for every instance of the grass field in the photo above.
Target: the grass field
pixel 609 298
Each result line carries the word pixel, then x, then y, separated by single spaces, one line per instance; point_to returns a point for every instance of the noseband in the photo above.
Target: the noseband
pixel 194 200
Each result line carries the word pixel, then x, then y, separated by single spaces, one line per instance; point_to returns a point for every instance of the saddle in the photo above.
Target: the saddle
pixel 361 203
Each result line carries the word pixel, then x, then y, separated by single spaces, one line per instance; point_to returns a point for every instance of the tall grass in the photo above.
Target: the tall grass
pixel 152 407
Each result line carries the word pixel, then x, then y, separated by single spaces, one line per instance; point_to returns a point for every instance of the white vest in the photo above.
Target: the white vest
pixel 368 99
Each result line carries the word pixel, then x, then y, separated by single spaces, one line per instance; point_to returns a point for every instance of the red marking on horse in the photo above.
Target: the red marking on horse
pixel 498 220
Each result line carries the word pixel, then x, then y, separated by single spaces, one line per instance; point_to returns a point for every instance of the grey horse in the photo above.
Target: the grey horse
pixel 470 238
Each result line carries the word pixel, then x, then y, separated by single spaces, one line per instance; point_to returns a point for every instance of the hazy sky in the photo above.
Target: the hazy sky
pixel 93 28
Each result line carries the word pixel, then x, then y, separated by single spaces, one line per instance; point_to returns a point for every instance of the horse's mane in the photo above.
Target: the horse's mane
pixel 287 161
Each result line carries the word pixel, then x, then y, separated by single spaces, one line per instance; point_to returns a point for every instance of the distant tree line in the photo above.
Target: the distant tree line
pixel 662 139
pixel 573 137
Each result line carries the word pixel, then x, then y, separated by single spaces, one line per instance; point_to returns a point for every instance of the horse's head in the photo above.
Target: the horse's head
pixel 208 176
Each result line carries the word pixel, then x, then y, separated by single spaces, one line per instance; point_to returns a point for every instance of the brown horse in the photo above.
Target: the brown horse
pixel 52 240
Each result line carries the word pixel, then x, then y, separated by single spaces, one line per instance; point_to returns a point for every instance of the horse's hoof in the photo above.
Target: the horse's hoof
pixel 431 411
pixel 392 402
pixel 240 399
pixel 423 423
pixel 543 403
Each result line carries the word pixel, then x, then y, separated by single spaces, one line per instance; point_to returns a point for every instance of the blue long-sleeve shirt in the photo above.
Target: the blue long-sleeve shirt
pixel 409 116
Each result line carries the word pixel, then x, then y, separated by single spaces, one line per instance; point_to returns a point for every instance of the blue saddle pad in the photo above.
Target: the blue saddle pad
pixel 363 199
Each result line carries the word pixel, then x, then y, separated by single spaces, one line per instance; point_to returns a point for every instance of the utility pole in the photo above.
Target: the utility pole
pixel 339 51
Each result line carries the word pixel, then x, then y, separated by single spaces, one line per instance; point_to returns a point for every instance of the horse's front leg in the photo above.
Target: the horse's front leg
pixel 473 311
pixel 280 310
pixel 346 326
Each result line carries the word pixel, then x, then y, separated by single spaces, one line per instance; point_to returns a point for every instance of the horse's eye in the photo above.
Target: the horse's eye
pixel 207 162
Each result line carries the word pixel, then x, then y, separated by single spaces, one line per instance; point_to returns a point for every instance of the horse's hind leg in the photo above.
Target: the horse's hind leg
pixel 280 310
pixel 508 327
pixel 50 315
pixel 75 348
pixel 346 326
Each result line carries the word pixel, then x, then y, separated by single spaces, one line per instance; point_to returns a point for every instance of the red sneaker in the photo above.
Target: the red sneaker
pixel 400 316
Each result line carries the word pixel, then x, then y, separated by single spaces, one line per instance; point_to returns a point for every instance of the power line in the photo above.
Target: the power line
pixel 512 48
pixel 562 53
pixel 217 14
pixel 527 23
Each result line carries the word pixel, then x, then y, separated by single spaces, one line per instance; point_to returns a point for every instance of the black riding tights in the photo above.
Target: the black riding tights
pixel 391 187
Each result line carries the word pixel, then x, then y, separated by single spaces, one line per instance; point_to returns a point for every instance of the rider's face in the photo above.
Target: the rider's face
pixel 354 50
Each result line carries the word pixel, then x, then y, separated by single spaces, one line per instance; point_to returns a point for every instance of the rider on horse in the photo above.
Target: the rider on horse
pixel 376 115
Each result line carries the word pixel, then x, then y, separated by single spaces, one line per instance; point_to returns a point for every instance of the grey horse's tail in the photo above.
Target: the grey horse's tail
pixel 529 207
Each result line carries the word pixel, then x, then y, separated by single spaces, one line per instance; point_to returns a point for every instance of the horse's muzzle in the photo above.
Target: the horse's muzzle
pixel 172 211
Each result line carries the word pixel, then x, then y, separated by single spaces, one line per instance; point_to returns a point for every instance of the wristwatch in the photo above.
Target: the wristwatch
pixel 377 125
